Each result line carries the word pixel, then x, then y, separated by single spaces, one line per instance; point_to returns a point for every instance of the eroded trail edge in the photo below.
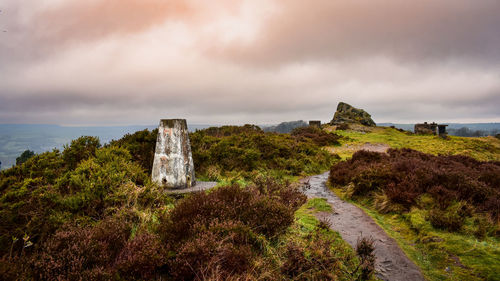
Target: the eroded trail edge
pixel 351 222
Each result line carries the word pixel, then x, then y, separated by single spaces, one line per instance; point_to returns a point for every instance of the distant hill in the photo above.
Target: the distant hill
pixel 16 138
pixel 285 127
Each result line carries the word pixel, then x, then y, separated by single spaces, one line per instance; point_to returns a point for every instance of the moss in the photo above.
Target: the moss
pixel 319 205
pixel 417 221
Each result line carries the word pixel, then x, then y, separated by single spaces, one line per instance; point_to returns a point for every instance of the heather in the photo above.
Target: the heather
pixel 316 135
pixel 233 232
pixel 442 210
pixel 245 150
pixel 457 185
pixel 90 212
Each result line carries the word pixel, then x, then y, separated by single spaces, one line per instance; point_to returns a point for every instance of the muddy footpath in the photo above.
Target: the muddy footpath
pixel 353 223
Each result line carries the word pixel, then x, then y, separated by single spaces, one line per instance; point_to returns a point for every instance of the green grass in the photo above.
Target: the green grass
pixel 318 205
pixel 441 255
pixel 484 148
pixel 306 222
pixel 305 225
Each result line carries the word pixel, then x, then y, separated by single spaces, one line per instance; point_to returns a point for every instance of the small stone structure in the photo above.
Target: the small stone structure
pixel 347 114
pixel 173 162
pixel 315 123
pixel 425 128
pixel 430 129
pixel 442 130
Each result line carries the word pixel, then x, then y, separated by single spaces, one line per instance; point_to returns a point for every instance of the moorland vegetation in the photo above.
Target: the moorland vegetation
pixel 91 212
pixel 441 207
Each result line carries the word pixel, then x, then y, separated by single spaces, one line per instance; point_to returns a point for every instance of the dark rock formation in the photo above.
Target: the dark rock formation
pixel 347 114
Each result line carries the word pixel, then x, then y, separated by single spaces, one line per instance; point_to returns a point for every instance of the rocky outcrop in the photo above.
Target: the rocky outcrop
pixel 346 114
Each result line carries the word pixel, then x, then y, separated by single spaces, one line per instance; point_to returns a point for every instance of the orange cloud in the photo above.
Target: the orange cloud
pixel 88 20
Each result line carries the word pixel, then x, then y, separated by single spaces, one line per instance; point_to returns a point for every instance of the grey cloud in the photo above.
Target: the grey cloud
pixel 415 31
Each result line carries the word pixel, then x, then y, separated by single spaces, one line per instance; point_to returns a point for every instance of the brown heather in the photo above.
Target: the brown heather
pixel 458 185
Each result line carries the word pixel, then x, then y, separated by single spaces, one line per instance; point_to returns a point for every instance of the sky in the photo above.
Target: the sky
pixel 124 62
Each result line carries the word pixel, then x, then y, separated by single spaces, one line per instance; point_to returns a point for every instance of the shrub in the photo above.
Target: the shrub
pixel 318 259
pixel 88 186
pixel 77 253
pixel 91 212
pixel 141 145
pixel 246 149
pixel 220 151
pixel 245 205
pixel 226 131
pixel 452 218
pixel 12 268
pixel 42 194
pixel 141 257
pixel 221 233
pixel 222 248
pixel 79 150
pixel 318 136
pixel 397 179
pixel 27 154
pixel 365 251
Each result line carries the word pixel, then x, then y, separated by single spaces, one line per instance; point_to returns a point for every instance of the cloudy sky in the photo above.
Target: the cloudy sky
pixel 123 62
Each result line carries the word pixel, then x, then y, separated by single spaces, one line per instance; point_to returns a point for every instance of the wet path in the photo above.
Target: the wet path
pixel 351 222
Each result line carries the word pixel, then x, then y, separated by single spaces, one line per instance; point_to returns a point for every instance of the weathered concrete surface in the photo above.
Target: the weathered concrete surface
pixel 200 186
pixel 173 162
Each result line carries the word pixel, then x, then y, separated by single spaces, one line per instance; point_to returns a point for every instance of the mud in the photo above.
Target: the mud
pixel 353 223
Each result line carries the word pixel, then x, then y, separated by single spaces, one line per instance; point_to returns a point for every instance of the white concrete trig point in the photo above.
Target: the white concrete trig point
pixel 173 162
